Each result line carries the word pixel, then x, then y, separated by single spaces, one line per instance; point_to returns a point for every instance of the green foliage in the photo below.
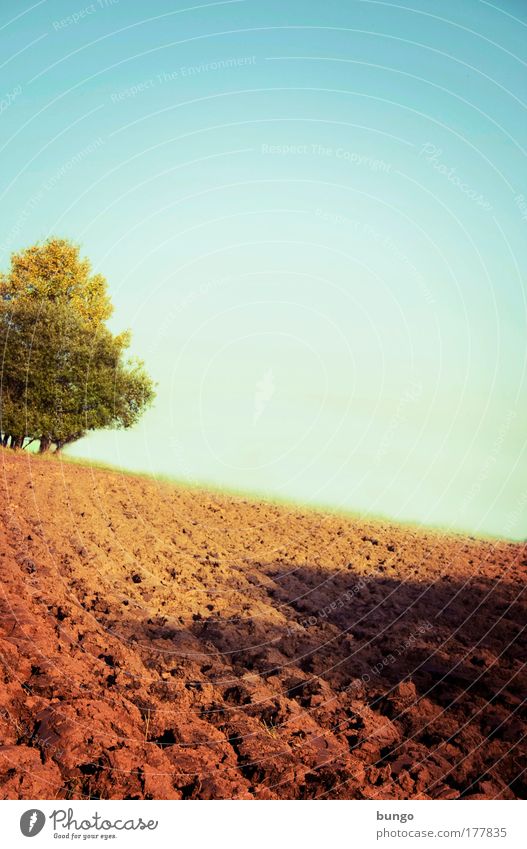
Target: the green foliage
pixel 63 373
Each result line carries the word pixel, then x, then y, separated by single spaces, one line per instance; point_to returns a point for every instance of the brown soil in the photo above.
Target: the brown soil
pixel 165 643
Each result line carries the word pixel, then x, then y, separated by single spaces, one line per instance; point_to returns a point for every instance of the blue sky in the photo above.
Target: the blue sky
pixel 313 218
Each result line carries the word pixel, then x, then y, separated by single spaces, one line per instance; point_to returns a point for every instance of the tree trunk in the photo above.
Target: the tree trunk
pixel 17 442
pixel 45 443
pixel 60 443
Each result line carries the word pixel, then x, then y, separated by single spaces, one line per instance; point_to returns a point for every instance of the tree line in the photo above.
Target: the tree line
pixel 63 373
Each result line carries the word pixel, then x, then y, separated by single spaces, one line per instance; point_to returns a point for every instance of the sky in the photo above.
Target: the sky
pixel 313 218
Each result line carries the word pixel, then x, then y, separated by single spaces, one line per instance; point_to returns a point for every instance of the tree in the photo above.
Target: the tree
pixel 62 372
pixel 55 272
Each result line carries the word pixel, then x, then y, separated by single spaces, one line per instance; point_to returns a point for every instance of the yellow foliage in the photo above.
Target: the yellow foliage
pixel 54 271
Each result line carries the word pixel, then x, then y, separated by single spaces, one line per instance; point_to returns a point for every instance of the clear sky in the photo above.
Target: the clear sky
pixel 313 217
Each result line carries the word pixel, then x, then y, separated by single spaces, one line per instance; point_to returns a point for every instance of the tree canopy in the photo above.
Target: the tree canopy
pixel 62 372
